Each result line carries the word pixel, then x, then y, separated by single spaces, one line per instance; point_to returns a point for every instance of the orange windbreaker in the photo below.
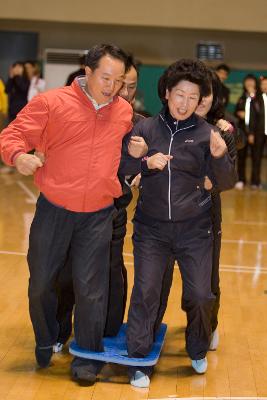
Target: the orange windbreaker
pixel 82 146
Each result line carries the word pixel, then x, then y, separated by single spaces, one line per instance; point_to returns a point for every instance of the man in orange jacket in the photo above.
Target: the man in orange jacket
pixel 118 273
pixel 80 129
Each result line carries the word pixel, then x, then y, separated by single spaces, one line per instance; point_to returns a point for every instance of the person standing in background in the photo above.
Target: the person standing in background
pixel 3 105
pixel 17 88
pixel 79 72
pixel 259 129
pixel 37 84
pixel 3 115
pixel 223 72
pixel 243 112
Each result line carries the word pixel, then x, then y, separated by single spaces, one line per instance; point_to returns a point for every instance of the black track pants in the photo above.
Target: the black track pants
pixel 155 246
pixel 54 231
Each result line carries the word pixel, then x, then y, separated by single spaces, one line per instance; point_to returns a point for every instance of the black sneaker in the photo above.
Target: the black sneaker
pixel 84 371
pixel 84 377
pixel 43 356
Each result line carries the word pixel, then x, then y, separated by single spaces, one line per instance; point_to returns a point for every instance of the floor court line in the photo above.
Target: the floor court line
pixel 228 268
pixel 32 198
pixel 210 398
pixel 13 253
pixel 223 267
pixel 237 222
pixel 245 223
pixel 232 241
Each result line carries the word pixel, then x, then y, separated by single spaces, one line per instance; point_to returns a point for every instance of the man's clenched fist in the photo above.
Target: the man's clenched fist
pixel 27 164
pixel 137 147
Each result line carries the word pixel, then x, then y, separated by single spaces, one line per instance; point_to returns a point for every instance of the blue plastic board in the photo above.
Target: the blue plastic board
pixel 115 350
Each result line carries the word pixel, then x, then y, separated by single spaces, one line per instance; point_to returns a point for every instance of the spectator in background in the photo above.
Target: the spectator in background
pixel 37 84
pixel 78 72
pixel 17 88
pixel 243 112
pixel 223 72
pixel 259 129
pixel 3 105
pixel 3 113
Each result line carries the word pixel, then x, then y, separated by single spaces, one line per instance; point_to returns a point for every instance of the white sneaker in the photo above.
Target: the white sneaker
pixel 200 366
pixel 256 187
pixel 214 343
pixel 58 347
pixel 7 170
pixel 140 380
pixel 239 185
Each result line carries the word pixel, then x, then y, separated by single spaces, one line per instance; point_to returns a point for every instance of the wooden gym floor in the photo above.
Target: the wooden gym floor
pixel 238 369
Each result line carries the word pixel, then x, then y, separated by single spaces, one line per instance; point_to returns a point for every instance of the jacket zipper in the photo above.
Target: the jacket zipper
pixel 169 162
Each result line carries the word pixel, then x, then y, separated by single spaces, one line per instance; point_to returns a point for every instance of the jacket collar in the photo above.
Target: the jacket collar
pixel 173 123
pixel 78 87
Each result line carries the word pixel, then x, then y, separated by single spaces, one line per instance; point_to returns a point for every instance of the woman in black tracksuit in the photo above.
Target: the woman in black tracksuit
pixel 173 218
pixel 211 108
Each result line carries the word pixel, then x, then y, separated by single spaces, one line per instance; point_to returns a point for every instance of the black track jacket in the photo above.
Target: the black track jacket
pixel 177 192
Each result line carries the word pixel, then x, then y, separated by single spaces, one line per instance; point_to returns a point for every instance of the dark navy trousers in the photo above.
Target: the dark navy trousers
pixel 54 232
pixel 156 245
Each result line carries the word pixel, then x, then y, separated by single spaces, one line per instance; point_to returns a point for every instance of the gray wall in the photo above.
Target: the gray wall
pixel 240 15
pixel 158 46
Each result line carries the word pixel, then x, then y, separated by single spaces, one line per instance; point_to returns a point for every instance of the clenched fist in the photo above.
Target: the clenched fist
pixel 137 147
pixel 218 147
pixel 224 125
pixel 27 164
pixel 158 161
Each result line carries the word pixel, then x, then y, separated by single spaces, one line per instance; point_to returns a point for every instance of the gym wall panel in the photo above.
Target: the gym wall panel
pixel 205 14
pixel 159 46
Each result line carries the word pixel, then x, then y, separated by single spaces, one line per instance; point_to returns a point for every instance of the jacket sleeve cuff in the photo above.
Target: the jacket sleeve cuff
pixel 15 156
pixel 144 168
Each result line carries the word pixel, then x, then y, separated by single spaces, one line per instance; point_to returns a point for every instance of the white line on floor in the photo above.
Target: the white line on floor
pixel 245 223
pixel 227 268
pixel 230 222
pixel 32 198
pixel 211 398
pixel 241 241
pixel 13 253
pixel 233 241
pixel 223 267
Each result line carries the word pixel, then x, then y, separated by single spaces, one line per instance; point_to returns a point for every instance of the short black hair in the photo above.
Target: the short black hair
pixel 98 51
pixel 194 71
pixel 216 111
pixel 252 77
pixel 18 63
pixel 32 62
pixel 132 62
pixel 82 59
pixel 224 67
